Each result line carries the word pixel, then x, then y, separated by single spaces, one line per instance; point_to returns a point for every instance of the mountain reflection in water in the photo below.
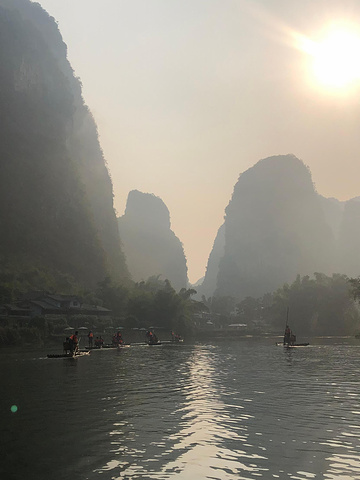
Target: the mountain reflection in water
pixel 230 410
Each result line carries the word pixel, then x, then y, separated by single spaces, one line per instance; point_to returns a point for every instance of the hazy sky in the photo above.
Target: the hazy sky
pixel 187 94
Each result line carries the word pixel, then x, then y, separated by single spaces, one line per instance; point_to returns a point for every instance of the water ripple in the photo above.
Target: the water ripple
pixel 228 411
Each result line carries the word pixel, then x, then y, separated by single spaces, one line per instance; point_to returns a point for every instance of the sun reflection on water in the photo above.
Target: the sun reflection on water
pixel 224 416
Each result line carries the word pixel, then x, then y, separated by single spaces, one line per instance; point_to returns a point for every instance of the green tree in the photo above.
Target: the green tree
pixel 355 287
pixel 114 296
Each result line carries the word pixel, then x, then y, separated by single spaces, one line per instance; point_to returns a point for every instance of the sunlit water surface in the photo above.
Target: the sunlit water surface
pixel 232 409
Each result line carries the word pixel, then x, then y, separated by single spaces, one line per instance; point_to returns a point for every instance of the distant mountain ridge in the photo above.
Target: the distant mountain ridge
pixel 56 199
pixel 150 246
pixel 278 226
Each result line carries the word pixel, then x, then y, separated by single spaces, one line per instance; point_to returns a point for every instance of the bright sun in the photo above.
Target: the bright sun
pixel 335 58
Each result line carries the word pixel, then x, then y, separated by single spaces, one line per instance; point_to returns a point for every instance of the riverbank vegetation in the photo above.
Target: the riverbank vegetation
pixel 132 306
pixel 317 305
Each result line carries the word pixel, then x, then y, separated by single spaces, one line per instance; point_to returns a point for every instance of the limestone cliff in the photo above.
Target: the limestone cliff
pixel 208 286
pixel 348 243
pixel 150 246
pixel 275 228
pixel 56 201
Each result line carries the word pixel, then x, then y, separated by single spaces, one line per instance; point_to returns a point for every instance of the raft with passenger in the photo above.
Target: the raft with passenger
pixel 289 340
pixel 105 346
pixel 108 346
pixel 80 353
pixel 151 339
pixel 154 343
pixel 176 338
pixel 290 345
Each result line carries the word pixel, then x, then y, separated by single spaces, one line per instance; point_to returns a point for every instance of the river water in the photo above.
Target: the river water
pixel 227 410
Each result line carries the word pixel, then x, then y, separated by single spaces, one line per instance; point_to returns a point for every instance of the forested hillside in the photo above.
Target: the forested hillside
pixel 56 206
pixel 150 246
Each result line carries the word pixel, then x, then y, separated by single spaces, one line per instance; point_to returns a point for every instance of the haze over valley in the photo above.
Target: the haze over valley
pixel 187 95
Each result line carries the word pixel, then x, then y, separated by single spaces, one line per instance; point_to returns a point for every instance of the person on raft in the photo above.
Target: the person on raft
pixel 287 335
pixel 99 342
pixel 74 343
pixel 151 337
pixel 117 339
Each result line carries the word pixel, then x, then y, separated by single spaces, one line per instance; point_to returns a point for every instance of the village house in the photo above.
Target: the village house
pixel 49 305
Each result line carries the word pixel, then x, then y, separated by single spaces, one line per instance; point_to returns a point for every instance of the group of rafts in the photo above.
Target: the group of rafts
pixel 71 344
pixel 71 348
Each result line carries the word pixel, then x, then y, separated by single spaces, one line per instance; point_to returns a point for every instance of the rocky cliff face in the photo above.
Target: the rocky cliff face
pixel 334 211
pixel 344 220
pixel 348 244
pixel 150 246
pixel 208 286
pixel 275 228
pixel 56 205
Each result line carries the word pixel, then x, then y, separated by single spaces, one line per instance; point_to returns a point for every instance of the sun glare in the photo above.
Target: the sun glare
pixel 335 59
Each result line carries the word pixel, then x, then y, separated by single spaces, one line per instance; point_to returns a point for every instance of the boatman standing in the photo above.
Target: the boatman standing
pixel 287 335
pixel 74 343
